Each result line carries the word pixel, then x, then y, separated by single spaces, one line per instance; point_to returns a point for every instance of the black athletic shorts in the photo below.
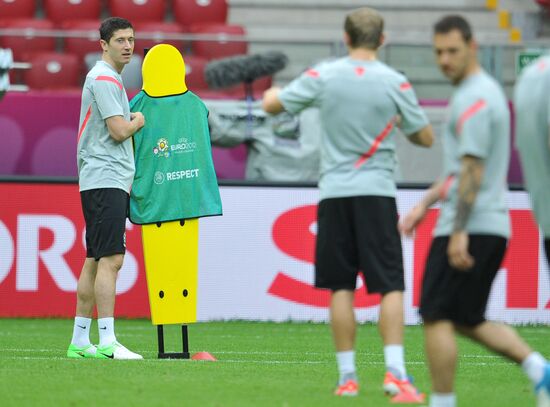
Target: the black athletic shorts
pixel 358 233
pixel 105 211
pixel 460 296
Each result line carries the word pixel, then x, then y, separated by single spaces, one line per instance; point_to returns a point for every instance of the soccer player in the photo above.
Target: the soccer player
pixel 473 226
pixel 361 102
pixel 533 139
pixel 106 170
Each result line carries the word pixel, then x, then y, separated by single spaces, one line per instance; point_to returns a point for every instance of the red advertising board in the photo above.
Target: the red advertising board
pixel 255 262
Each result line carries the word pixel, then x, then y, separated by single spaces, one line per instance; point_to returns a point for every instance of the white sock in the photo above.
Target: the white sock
pixel 81 331
pixel 395 360
pixel 346 362
pixel 443 400
pixel 106 328
pixel 533 366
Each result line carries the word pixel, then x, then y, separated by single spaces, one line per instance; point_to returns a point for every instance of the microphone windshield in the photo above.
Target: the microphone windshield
pixel 226 72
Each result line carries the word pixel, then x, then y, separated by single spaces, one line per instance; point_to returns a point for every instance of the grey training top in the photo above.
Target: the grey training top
pixel 358 104
pixel 478 125
pixel 532 103
pixel 102 161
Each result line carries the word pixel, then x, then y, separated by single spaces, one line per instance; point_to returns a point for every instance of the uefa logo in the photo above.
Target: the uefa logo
pixel 158 178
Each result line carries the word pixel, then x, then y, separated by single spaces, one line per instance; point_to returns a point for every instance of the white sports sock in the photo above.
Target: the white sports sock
pixel 106 328
pixel 346 362
pixel 533 366
pixel 395 360
pixel 81 331
pixel 443 400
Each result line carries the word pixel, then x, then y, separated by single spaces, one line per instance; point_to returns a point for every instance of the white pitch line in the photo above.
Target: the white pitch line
pixel 265 353
pixel 266 362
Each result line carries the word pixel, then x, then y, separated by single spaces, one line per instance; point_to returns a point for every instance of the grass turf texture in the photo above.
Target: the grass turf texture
pixel 259 364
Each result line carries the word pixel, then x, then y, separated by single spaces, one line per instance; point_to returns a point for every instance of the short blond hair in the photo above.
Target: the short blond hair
pixel 364 27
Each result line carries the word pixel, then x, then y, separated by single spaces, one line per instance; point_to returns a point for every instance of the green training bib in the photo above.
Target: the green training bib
pixel 175 177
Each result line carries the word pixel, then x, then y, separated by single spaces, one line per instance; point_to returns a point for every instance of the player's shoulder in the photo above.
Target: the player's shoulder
pixel 536 70
pixel 481 93
pixel 322 68
pixel 391 76
pixel 391 72
pixel 483 86
pixel 102 74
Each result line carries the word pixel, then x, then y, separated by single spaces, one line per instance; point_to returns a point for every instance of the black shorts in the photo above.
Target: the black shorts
pixel 358 233
pixel 460 296
pixel 105 211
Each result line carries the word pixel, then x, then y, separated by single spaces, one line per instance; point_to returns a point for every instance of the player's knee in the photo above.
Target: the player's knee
pixel 114 262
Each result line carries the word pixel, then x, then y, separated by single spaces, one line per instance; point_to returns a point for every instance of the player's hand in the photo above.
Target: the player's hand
pixel 138 119
pixel 408 224
pixel 274 90
pixel 457 251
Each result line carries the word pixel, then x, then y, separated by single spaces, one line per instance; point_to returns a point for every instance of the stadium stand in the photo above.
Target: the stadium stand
pixel 188 12
pixel 23 46
pixel 51 70
pixel 307 30
pixel 156 32
pixel 194 72
pixel 17 9
pixel 86 41
pixel 142 10
pixel 222 47
pixel 60 11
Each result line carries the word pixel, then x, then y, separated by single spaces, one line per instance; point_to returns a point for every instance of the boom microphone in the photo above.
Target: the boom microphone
pixel 226 72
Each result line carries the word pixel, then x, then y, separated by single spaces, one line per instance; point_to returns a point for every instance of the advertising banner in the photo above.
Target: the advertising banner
pixel 255 262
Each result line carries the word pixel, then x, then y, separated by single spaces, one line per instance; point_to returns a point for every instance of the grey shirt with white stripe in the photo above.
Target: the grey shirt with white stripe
pixel 479 126
pixel 532 103
pixel 358 102
pixel 102 161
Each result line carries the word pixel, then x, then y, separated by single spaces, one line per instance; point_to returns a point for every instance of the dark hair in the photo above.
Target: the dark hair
pixel 364 27
pixel 454 22
pixel 112 24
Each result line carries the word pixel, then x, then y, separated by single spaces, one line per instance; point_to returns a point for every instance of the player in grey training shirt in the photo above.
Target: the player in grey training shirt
pixel 361 102
pixel 532 105
pixel 473 225
pixel 105 170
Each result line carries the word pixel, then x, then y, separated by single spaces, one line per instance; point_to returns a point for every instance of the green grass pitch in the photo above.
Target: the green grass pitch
pixel 259 364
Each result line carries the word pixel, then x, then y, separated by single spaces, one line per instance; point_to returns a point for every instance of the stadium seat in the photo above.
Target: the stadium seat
pixel 81 46
pixel 51 70
pixel 194 72
pixel 188 12
pixel 220 48
pixel 17 9
pixel 156 29
pixel 23 45
pixel 60 11
pixel 138 10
